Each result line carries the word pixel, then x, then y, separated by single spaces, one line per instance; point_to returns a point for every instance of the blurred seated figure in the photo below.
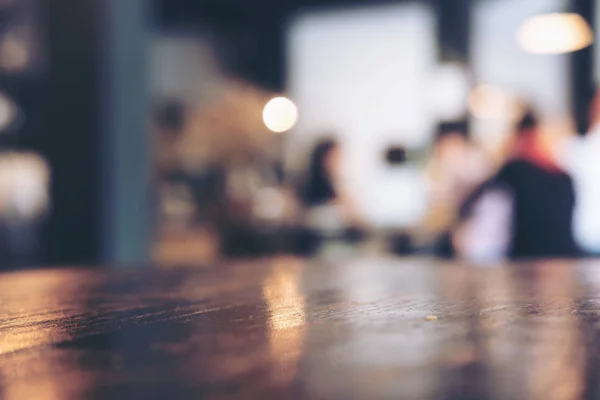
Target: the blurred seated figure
pixel 581 158
pixel 330 208
pixel 523 211
pixel 323 165
pixel 456 168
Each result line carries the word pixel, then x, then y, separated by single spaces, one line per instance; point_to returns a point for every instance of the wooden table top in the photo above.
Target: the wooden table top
pixel 368 328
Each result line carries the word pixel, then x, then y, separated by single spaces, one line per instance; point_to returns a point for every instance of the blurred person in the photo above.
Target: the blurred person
pixel 188 202
pixel 330 208
pixel 187 194
pixel 324 163
pixel 580 156
pixel 523 211
pixel 456 168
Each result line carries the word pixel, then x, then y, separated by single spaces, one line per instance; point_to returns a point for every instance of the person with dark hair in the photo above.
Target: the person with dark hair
pixel 319 188
pixel 170 116
pixel 523 211
pixel 330 209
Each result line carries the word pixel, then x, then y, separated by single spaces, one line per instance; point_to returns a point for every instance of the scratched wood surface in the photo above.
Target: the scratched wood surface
pixel 365 328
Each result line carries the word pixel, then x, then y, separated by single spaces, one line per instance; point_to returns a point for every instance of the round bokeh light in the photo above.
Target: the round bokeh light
pixel 280 114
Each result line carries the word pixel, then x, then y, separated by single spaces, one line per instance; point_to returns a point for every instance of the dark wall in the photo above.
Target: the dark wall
pixel 251 35
pixel 249 40
pixel 70 138
pixel 94 134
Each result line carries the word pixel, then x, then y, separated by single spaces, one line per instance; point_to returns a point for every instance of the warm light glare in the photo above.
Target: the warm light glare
pixel 285 300
pixel 280 114
pixel 287 317
pixel 490 102
pixel 554 33
pixel 8 112
pixel 14 54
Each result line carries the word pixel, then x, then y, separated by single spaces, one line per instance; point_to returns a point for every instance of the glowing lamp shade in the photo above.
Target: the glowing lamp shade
pixel 554 33
pixel 280 114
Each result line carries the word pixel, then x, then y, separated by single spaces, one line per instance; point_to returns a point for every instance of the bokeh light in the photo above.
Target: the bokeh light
pixel 8 112
pixel 490 102
pixel 555 33
pixel 14 54
pixel 280 114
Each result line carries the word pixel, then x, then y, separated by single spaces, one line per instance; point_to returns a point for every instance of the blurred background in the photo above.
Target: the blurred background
pixel 183 132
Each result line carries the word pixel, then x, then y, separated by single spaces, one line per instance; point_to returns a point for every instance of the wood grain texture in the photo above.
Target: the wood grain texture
pixel 366 328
